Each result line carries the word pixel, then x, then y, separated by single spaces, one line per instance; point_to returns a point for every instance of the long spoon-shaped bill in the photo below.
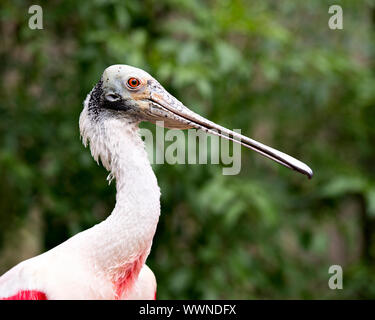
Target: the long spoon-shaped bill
pixel 175 115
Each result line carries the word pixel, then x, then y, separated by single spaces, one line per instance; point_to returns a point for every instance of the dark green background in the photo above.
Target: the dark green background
pixel 273 69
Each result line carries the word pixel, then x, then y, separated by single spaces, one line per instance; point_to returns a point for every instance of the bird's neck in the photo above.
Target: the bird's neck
pixel 119 246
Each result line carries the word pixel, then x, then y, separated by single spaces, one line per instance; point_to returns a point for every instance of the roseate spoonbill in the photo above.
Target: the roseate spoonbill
pixel 107 261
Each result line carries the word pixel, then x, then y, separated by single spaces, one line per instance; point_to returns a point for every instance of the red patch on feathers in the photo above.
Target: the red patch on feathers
pixel 128 275
pixel 155 296
pixel 27 295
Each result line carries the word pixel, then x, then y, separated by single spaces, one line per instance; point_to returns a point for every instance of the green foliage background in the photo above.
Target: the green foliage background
pixel 273 69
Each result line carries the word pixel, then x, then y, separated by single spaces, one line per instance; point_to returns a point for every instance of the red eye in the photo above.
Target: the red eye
pixel 133 83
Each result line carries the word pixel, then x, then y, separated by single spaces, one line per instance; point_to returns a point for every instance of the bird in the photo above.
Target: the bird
pixel 108 260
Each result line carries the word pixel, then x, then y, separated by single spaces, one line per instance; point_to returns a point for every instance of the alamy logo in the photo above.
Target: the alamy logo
pixel 36 20
pixel 173 147
pixel 336 20
pixel 335 281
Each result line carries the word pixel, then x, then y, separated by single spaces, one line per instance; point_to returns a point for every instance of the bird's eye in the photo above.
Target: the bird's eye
pixel 133 83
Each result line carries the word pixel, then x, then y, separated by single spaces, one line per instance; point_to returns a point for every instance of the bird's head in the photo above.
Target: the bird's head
pixel 131 93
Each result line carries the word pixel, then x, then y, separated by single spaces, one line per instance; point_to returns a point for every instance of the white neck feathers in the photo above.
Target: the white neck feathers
pixel 118 246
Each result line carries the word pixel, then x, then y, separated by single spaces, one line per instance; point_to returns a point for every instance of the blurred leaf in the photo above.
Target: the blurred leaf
pixel 343 185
